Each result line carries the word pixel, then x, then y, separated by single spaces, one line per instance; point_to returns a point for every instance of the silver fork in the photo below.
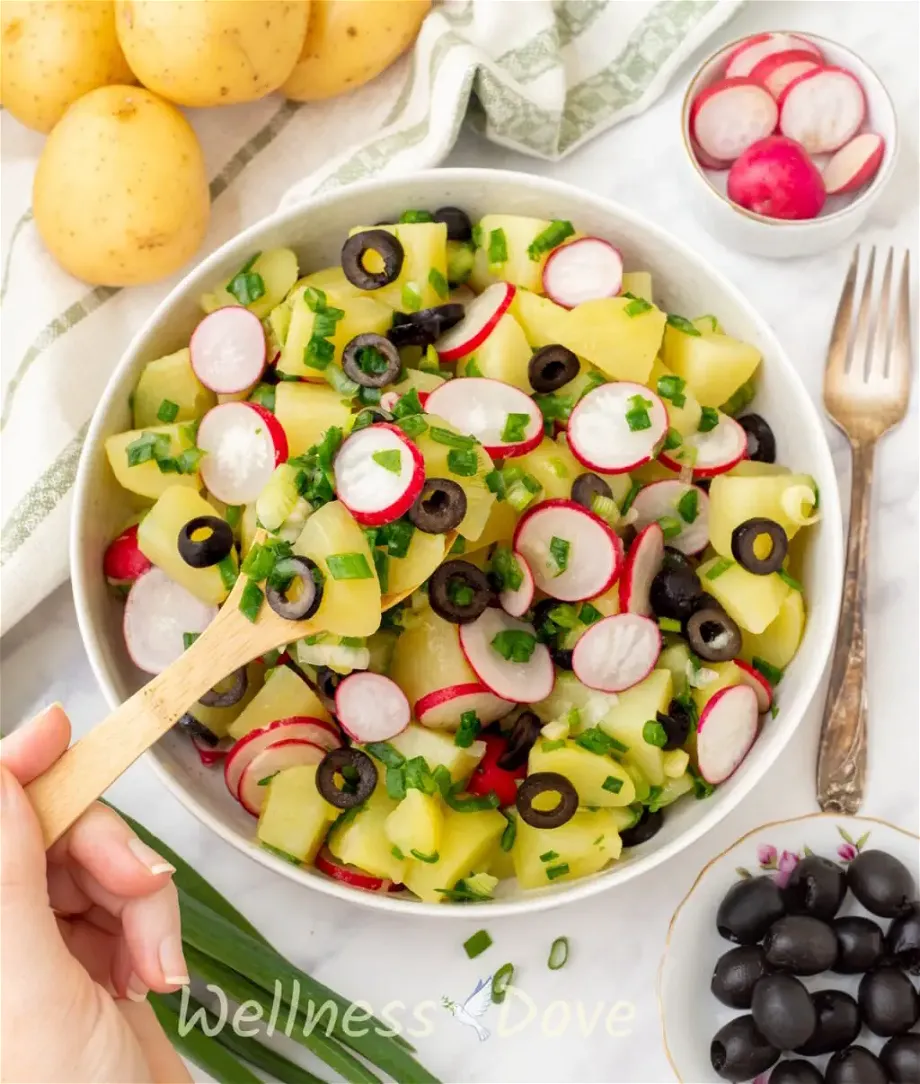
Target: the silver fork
pixel 866 388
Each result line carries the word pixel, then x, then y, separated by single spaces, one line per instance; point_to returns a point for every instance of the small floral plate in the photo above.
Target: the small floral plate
pixel 690 1015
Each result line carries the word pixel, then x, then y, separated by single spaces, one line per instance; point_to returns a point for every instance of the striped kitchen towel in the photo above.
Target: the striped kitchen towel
pixel 540 76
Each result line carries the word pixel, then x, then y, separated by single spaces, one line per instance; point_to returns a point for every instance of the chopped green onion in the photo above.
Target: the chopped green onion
pixel 558 953
pixel 596 741
pixel 397 853
pixel 259 562
pixel 652 801
pixel 672 439
pixel 515 424
pixel 463 464
pixel 504 566
pixel 671 526
pixel 228 572
pixel 348 566
pixel 772 673
pixel 395 781
pixel 636 306
pixel 251 600
pixel 419 776
pixel 548 856
pixel 588 614
pixel 549 746
pixel 371 360
pixel 472 369
pixel 612 784
pixel 552 872
pixel 559 551
pixel 688 506
pixel 451 440
pixel 413 425
pixel 168 411
pixel 387 754
pixel 382 568
pixel 477 944
pixel 397 536
pixel 146 447
pixel 459 545
pixel 498 247
pixel 653 733
pixel 722 565
pixel 789 580
pixel 774 711
pixel 429 858
pixel 390 460
pixel 318 353
pixel 438 283
pixel 468 730
pixel 266 779
pixel 407 404
pixel 671 387
pixel 246 285
pixel 501 980
pixel 637 417
pixel 408 217
pixel 681 323
pixel 509 834
pixel 187 461
pixel 264 396
pixel 411 297
pixel 709 419
pixel 605 507
pixel 630 497
pixel 553 236
pixel 188 638
pixel 514 645
pixel 460 594
pixel 669 624
pixel 338 381
pixel 701 788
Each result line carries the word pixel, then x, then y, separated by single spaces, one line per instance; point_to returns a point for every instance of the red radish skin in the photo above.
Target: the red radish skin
pixel 643 563
pixel 716 451
pixel 617 652
pixel 750 53
pixel 123 561
pixel 517 602
pixel 777 179
pixel 855 164
pixel 327 863
pixel 519 682
pixel 227 350
pixel 373 494
pixel 209 755
pixel 477 324
pixel 758 683
pixel 325 734
pixel 583 270
pixel 283 754
pixel 822 109
pixel 441 709
pixel 488 777
pixel 371 707
pixel 302 727
pixel 730 115
pixel 275 431
pixel 158 613
pixel 778 70
pixel 659 499
pixel 479 407
pixel 243 443
pixel 727 730
pixel 598 428
pixel 706 160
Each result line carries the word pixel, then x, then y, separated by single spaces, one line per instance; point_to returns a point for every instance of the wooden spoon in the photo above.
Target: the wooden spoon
pixel 94 762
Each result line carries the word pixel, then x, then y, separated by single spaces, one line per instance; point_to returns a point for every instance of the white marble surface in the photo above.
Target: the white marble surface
pixel 616 938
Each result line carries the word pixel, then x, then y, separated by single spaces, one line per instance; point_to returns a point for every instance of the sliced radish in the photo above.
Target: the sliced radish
pixel 158 613
pixel 822 109
pixel 518 601
pixel 289 753
pixel 227 350
pixel 327 863
pixel 777 71
pixel 752 52
pixel 585 270
pixel 617 652
pixel 660 500
pixel 595 552
pixel 855 164
pixel 730 115
pixel 371 707
pixel 209 755
pixel 717 451
pixel 520 682
pixel 378 474
pixel 480 318
pixel 243 443
pixel 758 683
pixel 483 409
pixel 706 160
pixel 441 710
pixel 599 431
pixel 643 563
pixel 299 727
pixel 123 561
pixel 319 731
pixel 726 731
pixel 389 399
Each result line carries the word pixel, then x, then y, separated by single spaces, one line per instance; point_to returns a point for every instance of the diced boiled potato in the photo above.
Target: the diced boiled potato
pixel 499 528
pixel 653 471
pixel 735 499
pixel 752 601
pixel 380 649
pixel 675 658
pixel 685 418
pixel 418 379
pixel 249 525
pixel 585 843
pixel 633 709
pixel 146 479
pixel 171 379
pixel 640 782
pixel 467 842
pixel 362 314
pixel 279 320
pixel 542 321
pixel 306 411
pixel 779 641
pixel 416 824
pixel 363 841
pixel 219 720
pixel 639 284
pixel 753 468
pixel 713 365
pixel 331 280
pixel 278 498
pixel 622 346
pixel 727 674
pixel 505 355
pixel 437 747
pixel 708 325
pixel 674 789
pixel 479 499
pixel 425 251
pixel 278 270
pixel 294 817
pixel 284 695
pixel 501 864
pixel 405 574
pixel 553 466
pixel 428 657
pixel 675 763
pixel 599 779
pixel 350 605
pixel 519 268
pixel 608 603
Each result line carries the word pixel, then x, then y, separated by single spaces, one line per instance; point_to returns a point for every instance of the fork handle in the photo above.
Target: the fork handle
pixel 842 746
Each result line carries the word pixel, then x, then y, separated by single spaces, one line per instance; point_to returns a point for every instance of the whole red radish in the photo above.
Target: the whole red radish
pixel 776 178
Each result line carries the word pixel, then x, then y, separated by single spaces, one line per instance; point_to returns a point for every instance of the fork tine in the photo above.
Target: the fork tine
pixel 899 355
pixel 877 357
pixel 859 349
pixel 840 335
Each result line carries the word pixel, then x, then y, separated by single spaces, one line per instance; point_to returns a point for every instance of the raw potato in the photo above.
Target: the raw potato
pixel 348 42
pixel 212 52
pixel 121 194
pixel 54 53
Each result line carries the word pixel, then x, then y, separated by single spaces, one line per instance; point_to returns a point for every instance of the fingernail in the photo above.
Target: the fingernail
pixel 172 961
pixel 137 989
pixel 148 857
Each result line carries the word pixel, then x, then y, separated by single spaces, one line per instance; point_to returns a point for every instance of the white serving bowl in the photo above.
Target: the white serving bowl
pixel 682 280
pixel 738 228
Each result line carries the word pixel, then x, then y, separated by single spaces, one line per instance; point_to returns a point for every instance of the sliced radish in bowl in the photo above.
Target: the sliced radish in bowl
pixel 616 427
pixel 158 613
pixel 726 732
pixel 855 164
pixel 227 350
pixel 123 561
pixel 441 709
pixel 584 270
pixel 731 114
pixel 243 443
pixel 518 600
pixel 822 109
pixel 617 652
pixel 523 682
pixel 258 773
pixel 758 683
pixel 327 863
pixel 778 70
pixel 717 451
pixel 371 707
pixel 667 503
pixel 643 563
pixel 752 52
pixel 706 160
pixel 378 474
pixel 480 318
pixel 505 420
pixel 298 727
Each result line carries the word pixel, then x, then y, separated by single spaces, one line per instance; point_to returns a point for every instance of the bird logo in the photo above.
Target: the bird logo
pixel 474 1007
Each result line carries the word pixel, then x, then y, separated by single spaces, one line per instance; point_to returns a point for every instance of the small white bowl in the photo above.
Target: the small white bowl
pixel 738 228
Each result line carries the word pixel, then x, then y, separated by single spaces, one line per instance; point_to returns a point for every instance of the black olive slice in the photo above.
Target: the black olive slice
pixel 327 681
pixel 677 725
pixel 561 656
pixel 424 327
pixel 551 367
pixel 648 825
pixel 387 247
pixel 371 360
pixel 675 593
pixel 713 635
pixel 546 783
pixel 459 226
pixel 346 777
pixel 295 588
pixel 675 561
pixel 196 729
pixel 744 539
pixel 459 592
pixel 226 698
pixel 761 443
pixel 440 507
pixel 521 739
pixel 587 486
pixel 205 541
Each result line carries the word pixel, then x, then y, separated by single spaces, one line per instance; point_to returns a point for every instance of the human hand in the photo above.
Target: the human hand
pixel 85 932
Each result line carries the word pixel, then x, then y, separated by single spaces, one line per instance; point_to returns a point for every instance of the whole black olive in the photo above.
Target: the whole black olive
pixel 855 1065
pixel 888 1001
pixel 783 1011
pixel 551 367
pixel 459 227
pixel 674 560
pixel 738 1051
pixel 838 1025
pixel 587 486
pixel 749 909
pixel 459 592
pixel 387 247
pixel 815 887
pixel 744 545
pixel 674 593
pixel 523 736
pixel 860 943
pixel 795 1072
pixel 903 940
pixel 648 825
pixel 677 725
pixel 713 635
pixel 440 507
pixel 881 883
pixel 735 973
pixel 800 944
pixel 901 1058
pixel 760 440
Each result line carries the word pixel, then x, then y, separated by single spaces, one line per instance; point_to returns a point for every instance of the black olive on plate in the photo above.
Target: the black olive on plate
pixel 815 887
pixel 860 944
pixel 387 247
pixel 748 909
pixel 459 592
pixel 551 367
pixel 587 486
pixel 796 1071
pixel 744 545
pixel 459 227
pixel 713 635
pixel 903 940
pixel 648 825
pixel 888 1001
pixel 800 944
pixel 855 1065
pixel 761 444
pixel 424 327
pixel 539 783
pixel 738 1051
pixel 735 974
pixel 440 507
pixel 839 1023
pixel 561 656
pixel 901 1058
pixel 295 588
pixel 522 737
pixel 675 592
pixel 677 725
pixel 675 561
pixel 357 772
pixel 783 1011
pixel 371 361
pixel 327 681
pixel 205 541
pixel 881 883
pixel 228 692
pixel 196 729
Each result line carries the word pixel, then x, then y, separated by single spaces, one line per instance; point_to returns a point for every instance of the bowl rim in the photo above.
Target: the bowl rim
pixel 824 617
pixel 870 192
